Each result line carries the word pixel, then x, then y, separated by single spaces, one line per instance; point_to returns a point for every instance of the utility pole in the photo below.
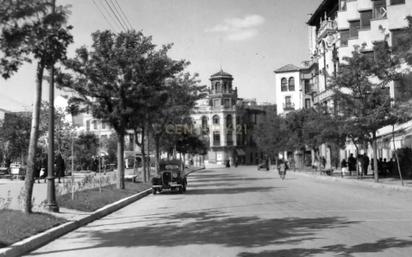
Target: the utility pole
pixel 51 189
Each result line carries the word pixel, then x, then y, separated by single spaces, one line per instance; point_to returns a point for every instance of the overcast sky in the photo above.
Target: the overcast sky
pixel 247 38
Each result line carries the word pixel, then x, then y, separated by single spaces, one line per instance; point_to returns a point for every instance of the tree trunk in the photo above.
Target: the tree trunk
pixel 148 152
pixel 375 157
pixel 120 161
pixel 396 155
pixel 34 134
pixel 157 158
pixel 144 162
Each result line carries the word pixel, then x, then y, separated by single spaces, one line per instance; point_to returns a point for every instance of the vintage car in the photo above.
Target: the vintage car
pixel 171 177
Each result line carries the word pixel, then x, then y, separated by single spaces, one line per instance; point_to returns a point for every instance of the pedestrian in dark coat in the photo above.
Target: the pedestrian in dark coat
pixel 365 164
pixel 351 164
pixel 60 166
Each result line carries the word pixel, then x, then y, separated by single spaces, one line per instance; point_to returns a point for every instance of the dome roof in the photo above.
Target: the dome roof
pixel 221 74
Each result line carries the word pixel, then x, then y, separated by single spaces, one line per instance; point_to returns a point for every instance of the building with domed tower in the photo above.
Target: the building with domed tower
pixel 227 121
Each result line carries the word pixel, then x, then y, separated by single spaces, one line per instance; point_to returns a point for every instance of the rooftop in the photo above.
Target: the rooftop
pixel 221 74
pixel 286 68
pixel 327 6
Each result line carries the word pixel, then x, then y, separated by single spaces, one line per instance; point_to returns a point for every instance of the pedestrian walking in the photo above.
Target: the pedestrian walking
pixel 282 169
pixel 344 166
pixel 43 169
pixel 60 167
pixel 365 164
pixel 351 164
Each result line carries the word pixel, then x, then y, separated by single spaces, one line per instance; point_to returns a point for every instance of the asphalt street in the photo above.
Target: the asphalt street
pixel 243 212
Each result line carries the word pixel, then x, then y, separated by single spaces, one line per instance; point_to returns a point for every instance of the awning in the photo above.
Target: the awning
pixel 240 152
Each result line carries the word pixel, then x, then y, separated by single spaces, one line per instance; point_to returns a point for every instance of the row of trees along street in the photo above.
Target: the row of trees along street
pixel 362 104
pixel 123 79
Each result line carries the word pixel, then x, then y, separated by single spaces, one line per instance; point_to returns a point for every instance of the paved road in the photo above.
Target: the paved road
pixel 247 213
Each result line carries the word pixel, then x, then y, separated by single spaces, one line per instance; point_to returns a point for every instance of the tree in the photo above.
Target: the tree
pixel 182 93
pixel 15 135
pixel 86 146
pixel 32 30
pixel 362 94
pixel 269 135
pixel 111 78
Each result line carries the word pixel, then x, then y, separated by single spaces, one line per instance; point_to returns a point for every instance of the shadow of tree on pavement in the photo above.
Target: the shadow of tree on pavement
pixel 212 227
pixel 339 249
pixel 229 190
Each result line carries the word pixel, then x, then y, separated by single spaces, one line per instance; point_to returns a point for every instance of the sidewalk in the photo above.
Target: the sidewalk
pixel 391 183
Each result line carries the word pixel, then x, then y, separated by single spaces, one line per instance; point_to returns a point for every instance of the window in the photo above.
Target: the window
pixel 103 125
pixel 218 87
pixel 308 86
pixel 88 125
pixel 399 39
pixel 229 137
pixel 307 103
pixel 342 5
pixel 229 122
pixel 216 120
pixel 216 138
pixel 354 27
pixel 379 9
pixel 344 36
pixel 395 2
pixel 283 85
pixel 226 103
pixel 288 101
pixel 204 122
pixel 95 125
pixel 291 84
pixel 216 102
pixel 365 19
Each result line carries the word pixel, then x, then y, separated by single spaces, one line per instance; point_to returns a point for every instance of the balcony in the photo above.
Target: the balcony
pixel 288 106
pixel 327 27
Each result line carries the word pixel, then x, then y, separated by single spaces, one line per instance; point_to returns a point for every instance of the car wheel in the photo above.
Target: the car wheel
pixel 154 191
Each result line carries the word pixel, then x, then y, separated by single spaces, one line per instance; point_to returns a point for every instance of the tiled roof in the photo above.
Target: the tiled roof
pixel 288 67
pixel 221 73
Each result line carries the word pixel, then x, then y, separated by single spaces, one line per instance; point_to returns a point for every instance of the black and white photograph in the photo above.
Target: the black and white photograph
pixel 206 128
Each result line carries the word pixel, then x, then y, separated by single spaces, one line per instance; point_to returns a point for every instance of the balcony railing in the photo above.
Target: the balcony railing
pixel 288 106
pixel 327 27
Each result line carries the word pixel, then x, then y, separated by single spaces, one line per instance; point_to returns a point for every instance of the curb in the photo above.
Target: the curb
pixel 357 182
pixel 36 241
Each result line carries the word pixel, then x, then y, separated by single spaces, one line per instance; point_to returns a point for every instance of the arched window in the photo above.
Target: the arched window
pixel 229 122
pixel 224 87
pixel 216 120
pixel 218 87
pixel 291 84
pixel 204 122
pixel 284 85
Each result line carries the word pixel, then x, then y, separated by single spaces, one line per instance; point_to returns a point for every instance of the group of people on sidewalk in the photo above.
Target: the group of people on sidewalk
pixel 41 167
pixel 362 162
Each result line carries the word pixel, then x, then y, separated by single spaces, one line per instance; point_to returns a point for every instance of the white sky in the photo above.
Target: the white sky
pixel 247 38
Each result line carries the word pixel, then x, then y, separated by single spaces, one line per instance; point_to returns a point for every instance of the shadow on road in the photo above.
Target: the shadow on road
pixel 341 250
pixel 211 227
pixel 228 190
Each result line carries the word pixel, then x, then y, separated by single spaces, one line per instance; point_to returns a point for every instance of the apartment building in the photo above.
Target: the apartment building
pixel 294 86
pixel 336 28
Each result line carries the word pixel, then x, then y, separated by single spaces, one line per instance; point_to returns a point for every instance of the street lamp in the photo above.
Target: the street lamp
pixel 51 189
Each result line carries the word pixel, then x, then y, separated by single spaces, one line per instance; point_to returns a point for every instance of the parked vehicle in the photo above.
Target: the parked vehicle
pixel 171 177
pixel 17 170
pixel 4 171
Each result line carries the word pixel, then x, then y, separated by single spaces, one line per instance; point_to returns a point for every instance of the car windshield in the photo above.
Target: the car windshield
pixel 171 167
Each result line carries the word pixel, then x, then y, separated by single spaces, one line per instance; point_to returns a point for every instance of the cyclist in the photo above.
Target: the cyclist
pixel 282 170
